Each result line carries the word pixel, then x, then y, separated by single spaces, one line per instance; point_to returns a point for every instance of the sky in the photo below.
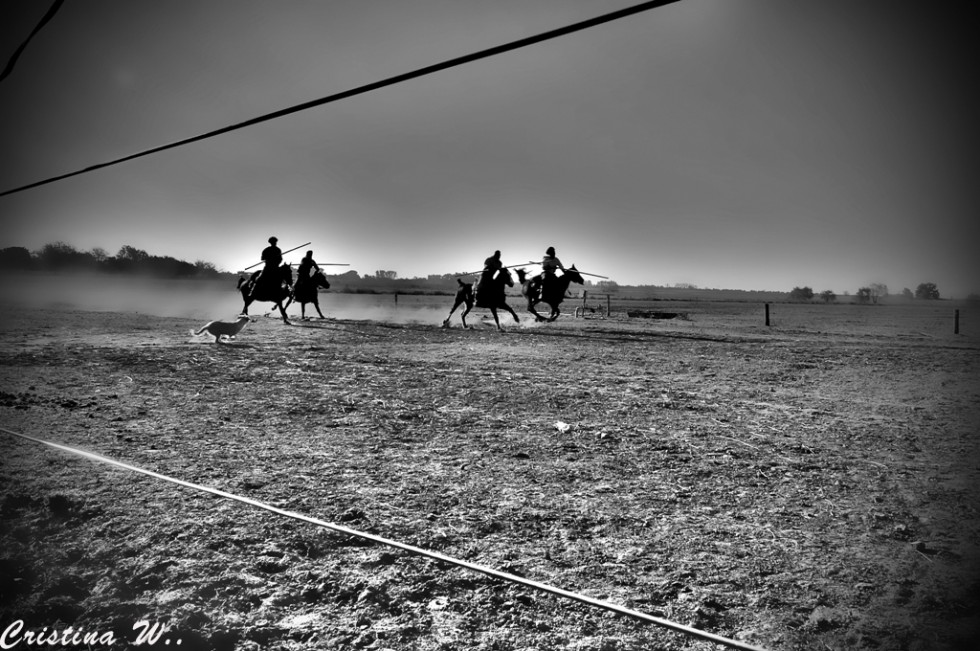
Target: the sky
pixel 749 144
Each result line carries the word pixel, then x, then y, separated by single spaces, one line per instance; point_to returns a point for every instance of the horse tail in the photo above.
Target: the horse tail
pixel 199 332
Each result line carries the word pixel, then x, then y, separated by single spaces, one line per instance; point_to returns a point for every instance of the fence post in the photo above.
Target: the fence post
pixel 396 299
pixel 956 323
pixel 608 313
pixel 767 314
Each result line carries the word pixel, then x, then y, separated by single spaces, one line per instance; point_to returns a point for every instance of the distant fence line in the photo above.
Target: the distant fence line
pixel 608 305
pixel 955 318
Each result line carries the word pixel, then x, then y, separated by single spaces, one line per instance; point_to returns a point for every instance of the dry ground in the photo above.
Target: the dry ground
pixel 794 491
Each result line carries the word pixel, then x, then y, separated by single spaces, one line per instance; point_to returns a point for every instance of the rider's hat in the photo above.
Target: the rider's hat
pixel 551 250
pixel 273 239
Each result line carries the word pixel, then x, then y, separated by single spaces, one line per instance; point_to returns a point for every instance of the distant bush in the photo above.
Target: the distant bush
pixel 15 258
pixel 878 290
pixel 801 294
pixel 62 257
pixel 927 291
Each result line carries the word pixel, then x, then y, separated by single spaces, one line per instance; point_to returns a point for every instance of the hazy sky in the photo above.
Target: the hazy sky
pixel 753 144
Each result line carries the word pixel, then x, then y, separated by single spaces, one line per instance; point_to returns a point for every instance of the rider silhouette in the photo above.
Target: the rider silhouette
pixel 272 257
pixel 490 268
pixel 549 264
pixel 304 272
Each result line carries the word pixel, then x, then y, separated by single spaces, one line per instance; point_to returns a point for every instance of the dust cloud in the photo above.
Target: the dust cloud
pixel 209 300
pixel 129 294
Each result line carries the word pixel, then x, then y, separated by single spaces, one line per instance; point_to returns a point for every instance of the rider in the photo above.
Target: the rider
pixel 306 267
pixel 549 264
pixel 272 257
pixel 490 268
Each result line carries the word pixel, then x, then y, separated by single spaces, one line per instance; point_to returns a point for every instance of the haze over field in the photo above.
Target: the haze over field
pixel 759 144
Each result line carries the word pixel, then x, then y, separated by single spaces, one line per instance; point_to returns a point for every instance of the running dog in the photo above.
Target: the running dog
pixel 219 329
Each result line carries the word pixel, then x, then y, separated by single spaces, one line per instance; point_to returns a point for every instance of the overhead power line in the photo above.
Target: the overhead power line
pixel 420 72
pixel 20 50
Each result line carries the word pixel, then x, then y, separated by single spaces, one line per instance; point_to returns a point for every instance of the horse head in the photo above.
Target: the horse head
pixel 573 275
pixel 286 273
pixel 320 280
pixel 506 277
pixel 521 276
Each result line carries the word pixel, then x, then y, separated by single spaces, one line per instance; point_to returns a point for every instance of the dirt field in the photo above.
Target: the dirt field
pixel 790 489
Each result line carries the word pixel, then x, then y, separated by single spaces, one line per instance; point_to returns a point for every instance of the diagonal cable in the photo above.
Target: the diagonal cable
pixel 420 72
pixel 20 50
pixel 411 549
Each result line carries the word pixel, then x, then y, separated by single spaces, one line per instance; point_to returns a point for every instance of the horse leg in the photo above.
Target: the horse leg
pixel 511 310
pixel 493 311
pixel 316 304
pixel 282 311
pixel 445 324
pixel 469 306
pixel 530 308
pixel 554 313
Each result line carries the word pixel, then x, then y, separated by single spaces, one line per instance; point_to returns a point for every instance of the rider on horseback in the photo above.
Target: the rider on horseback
pixel 272 257
pixel 490 268
pixel 549 264
pixel 304 273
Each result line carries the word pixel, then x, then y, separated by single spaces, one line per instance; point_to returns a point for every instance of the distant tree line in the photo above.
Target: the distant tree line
pixel 870 294
pixel 130 260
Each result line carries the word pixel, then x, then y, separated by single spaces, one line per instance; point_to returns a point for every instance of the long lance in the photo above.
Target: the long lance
pixel 473 273
pixel 581 272
pixel 284 253
pixel 326 264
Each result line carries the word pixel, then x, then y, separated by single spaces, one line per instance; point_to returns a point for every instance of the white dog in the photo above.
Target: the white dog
pixel 219 329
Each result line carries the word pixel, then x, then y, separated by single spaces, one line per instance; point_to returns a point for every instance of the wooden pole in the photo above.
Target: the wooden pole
pixel 956 323
pixel 767 314
pixel 608 313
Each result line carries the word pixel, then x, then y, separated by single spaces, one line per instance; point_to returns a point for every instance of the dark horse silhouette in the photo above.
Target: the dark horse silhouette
pixel 274 289
pixel 490 294
pixel 553 295
pixel 306 292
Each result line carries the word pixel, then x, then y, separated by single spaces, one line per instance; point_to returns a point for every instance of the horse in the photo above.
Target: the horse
pixel 553 294
pixel 306 292
pixel 490 294
pixel 273 290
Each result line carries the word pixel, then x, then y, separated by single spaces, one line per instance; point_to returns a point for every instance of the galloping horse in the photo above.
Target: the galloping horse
pixel 273 289
pixel 553 294
pixel 490 294
pixel 306 292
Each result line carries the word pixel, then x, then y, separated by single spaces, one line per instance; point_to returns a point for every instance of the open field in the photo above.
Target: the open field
pixel 206 300
pixel 811 485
